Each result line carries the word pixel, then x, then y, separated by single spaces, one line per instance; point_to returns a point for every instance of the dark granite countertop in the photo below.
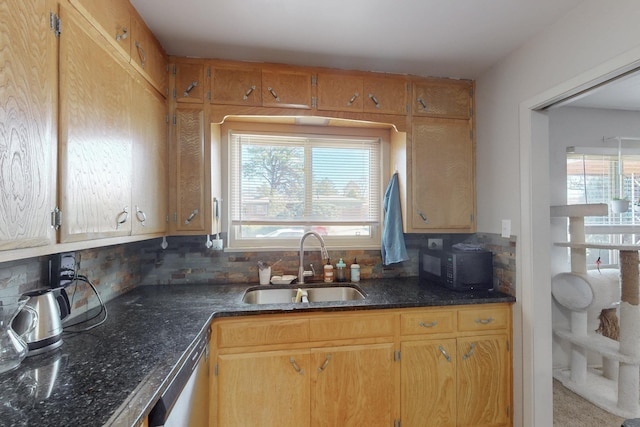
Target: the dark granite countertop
pixel 113 374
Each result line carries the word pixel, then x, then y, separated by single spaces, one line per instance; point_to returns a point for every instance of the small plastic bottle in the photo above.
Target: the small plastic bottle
pixel 328 272
pixel 341 273
pixel 355 271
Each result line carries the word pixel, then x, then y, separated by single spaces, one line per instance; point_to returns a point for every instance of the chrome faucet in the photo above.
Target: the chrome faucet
pixel 323 250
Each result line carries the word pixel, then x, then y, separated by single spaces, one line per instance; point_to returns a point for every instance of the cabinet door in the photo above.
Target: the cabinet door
pixel 484 380
pixel 236 86
pixel 27 125
pixel 428 393
pixel 339 92
pixel 385 95
pixel 442 175
pixel 111 18
pixel 264 389
pixel 95 139
pixel 287 89
pixel 147 54
pixel 352 386
pixel 150 174
pixel 443 98
pixel 190 84
pixel 190 171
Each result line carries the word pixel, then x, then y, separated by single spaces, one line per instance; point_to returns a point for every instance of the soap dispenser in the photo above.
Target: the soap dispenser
pixel 341 274
pixel 328 272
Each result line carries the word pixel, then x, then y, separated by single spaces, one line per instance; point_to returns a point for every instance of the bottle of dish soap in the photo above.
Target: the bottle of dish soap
pixel 341 274
pixel 355 271
pixel 328 272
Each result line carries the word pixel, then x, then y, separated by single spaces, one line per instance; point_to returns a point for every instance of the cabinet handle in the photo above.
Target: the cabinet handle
pixel 444 352
pixel 470 352
pixel 190 217
pixel 295 366
pixel 422 103
pixel 353 99
pixel 424 218
pixel 428 325
pixel 248 92
pixel 190 88
pixel 140 216
pixel 324 365
pixel 141 54
pixel 375 100
pixel 273 93
pixel 485 321
pixel 124 34
pixel 122 217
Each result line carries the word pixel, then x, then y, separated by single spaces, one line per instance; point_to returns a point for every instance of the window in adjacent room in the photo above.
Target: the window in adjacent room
pixel 286 180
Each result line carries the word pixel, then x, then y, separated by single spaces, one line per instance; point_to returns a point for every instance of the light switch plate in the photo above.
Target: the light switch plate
pixel 506 228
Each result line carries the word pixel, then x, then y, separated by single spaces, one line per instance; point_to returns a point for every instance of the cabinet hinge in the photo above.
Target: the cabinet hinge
pixel 471 219
pixel 56 218
pixel 508 345
pixel 55 24
pixel 407 108
pixel 167 220
pixel 209 96
pixel 396 356
pixel 174 93
pixel 175 120
pixel 175 70
pixel 470 92
pixel 408 87
pixel 166 119
pixel 470 112
pixel 209 72
pixel 215 370
pixel 397 423
pixel 314 102
pixel 314 80
pixel 471 135
pixel 175 217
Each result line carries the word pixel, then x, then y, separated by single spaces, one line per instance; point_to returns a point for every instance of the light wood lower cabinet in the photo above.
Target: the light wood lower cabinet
pixel 424 367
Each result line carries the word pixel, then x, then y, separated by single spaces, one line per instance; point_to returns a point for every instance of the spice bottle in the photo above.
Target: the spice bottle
pixel 355 271
pixel 328 271
pixel 341 273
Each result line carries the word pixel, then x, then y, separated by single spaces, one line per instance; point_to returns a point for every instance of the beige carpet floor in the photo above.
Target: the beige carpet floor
pixel 571 410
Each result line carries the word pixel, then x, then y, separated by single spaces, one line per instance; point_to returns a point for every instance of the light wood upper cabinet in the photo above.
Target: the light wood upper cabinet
pixel 286 88
pixel 27 124
pixel 150 168
pixel 95 139
pixel 442 98
pixel 355 93
pixel 352 386
pixel 191 207
pixel 148 55
pixel 442 176
pixel 190 85
pixel 236 85
pixel 112 18
pixel 269 389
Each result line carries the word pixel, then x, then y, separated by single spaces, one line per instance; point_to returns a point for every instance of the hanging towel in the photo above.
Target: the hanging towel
pixel 393 247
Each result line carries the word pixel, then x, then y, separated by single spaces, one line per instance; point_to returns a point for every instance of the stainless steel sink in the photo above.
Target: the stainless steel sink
pixel 281 295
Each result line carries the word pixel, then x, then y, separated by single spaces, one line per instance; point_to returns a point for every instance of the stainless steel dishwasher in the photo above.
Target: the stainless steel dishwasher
pixel 186 400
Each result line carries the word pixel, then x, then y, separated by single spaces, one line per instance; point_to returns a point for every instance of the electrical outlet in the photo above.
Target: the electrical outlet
pixel 62 268
pixel 434 244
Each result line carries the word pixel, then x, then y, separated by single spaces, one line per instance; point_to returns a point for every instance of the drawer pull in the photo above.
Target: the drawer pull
pixel 274 94
pixel 428 325
pixel 190 88
pixel 422 103
pixel 444 352
pixel 324 365
pixel 485 321
pixel 470 352
pixel 122 217
pixel 295 366
pixel 140 216
pixel 191 216
pixel 375 100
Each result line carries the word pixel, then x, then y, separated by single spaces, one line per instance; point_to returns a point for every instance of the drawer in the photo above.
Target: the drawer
pixel 427 322
pixel 483 319
pixel 351 327
pixel 263 332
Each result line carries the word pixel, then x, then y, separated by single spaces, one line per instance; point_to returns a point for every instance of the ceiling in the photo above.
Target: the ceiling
pixel 440 38
pixel 622 93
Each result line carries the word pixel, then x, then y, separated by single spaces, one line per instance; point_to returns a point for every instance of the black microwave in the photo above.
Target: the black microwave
pixel 458 270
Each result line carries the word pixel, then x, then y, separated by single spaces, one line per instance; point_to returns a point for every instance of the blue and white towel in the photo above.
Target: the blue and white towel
pixel 393 246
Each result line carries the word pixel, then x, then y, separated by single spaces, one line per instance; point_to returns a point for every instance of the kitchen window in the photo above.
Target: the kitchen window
pixel 286 180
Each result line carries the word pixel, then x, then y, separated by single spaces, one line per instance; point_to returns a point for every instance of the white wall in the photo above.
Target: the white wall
pixel 594 39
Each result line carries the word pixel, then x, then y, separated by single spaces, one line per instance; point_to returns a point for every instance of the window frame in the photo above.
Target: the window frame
pixel 358 130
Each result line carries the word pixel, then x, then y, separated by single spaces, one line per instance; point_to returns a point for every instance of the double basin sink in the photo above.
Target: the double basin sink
pixel 314 293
